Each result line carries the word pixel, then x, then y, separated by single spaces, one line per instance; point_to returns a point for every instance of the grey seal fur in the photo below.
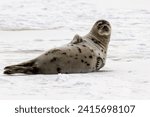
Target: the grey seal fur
pixel 83 54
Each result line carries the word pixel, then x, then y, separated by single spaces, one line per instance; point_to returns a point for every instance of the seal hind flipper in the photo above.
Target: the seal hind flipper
pixel 28 63
pixel 25 67
pixel 21 69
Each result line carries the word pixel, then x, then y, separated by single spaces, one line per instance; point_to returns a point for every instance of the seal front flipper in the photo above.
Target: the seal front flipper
pixel 77 39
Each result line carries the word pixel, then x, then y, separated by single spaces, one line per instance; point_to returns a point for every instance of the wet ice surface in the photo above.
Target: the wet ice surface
pixel 125 76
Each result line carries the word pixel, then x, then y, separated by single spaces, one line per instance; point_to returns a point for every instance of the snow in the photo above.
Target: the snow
pixel 30 27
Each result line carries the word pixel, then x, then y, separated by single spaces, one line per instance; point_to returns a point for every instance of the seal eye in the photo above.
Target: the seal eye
pixel 99 25
pixel 101 22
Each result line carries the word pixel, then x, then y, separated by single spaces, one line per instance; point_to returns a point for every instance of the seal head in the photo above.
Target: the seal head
pixel 101 30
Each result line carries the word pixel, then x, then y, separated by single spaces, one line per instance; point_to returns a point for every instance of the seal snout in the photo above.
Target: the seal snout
pixel 105 28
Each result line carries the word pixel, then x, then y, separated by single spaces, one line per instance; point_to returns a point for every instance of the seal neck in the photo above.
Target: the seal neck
pixel 101 40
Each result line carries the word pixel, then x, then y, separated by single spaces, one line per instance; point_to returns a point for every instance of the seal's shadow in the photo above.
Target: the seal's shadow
pixel 103 71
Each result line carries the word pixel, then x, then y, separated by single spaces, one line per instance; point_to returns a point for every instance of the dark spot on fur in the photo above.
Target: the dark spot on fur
pixel 70 55
pixel 84 45
pixel 98 58
pixel 105 52
pixel 53 59
pixel 98 53
pixel 76 54
pixel 79 49
pixel 71 44
pixel 90 57
pixel 91 50
pixel 82 60
pixel 58 69
pixel 85 57
pixel 96 41
pixel 88 64
pixel 102 50
pixel 64 53
pixel 55 50
pixel 76 58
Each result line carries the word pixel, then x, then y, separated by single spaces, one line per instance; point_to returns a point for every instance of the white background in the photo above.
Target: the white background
pixel 7 108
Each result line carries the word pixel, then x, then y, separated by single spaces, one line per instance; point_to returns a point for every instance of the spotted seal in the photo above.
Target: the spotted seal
pixel 83 54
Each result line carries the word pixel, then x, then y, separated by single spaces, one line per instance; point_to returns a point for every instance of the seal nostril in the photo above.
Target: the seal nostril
pixel 105 28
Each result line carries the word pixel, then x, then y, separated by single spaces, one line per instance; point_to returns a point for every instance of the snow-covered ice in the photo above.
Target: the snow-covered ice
pixel 30 27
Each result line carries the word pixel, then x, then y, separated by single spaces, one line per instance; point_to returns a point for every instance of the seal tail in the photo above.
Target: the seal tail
pixel 26 67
